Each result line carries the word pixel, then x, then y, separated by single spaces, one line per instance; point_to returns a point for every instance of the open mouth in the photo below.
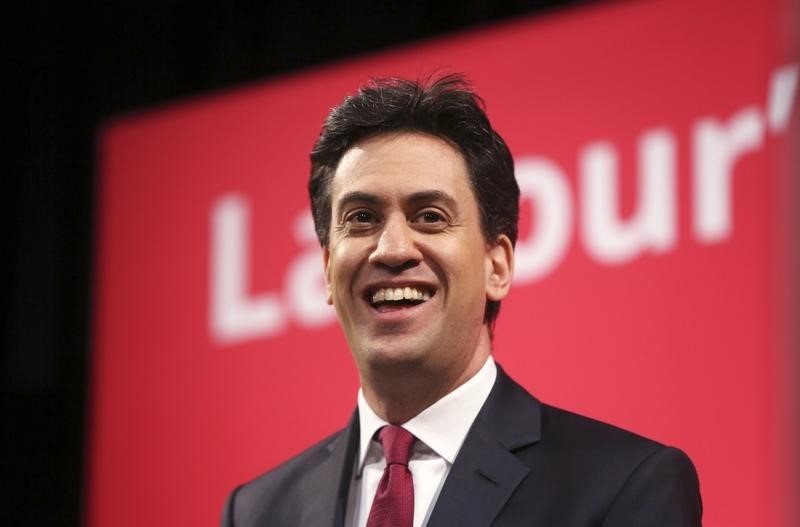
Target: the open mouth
pixel 396 297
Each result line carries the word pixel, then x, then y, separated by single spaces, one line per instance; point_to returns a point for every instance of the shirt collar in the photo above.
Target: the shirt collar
pixel 442 426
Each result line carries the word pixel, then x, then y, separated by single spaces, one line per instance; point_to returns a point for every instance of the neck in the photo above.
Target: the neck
pixel 397 394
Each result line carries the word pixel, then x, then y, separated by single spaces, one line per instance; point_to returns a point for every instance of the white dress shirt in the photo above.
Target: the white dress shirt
pixel 440 430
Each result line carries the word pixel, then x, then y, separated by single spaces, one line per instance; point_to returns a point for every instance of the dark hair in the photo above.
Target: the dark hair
pixel 445 107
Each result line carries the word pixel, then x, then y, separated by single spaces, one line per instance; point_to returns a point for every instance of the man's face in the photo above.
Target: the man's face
pixel 407 266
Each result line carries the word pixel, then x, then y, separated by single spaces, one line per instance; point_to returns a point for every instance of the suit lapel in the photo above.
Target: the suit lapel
pixel 486 472
pixel 321 507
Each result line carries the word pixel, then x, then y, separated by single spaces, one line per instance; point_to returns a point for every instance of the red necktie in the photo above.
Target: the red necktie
pixel 393 505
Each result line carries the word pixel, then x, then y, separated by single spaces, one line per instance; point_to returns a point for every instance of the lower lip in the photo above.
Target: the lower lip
pixel 399 313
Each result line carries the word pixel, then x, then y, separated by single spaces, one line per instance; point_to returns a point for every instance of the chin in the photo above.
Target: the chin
pixel 394 359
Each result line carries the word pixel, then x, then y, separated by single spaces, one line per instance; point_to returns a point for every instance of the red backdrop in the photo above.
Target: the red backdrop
pixel 653 285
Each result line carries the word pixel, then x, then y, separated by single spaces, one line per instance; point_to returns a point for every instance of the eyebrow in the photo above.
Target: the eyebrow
pixel 428 196
pixel 357 196
pixel 422 196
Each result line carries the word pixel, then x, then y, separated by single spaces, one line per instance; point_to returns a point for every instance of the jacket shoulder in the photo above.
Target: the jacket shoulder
pixel 610 475
pixel 288 472
pixel 279 489
pixel 577 431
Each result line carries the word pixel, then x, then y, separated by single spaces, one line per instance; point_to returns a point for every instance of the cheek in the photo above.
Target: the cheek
pixel 470 271
pixel 344 264
pixel 339 274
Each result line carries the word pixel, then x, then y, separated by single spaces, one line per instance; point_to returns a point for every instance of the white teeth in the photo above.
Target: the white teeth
pixel 400 293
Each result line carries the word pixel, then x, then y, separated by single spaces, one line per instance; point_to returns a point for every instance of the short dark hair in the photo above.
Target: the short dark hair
pixel 445 107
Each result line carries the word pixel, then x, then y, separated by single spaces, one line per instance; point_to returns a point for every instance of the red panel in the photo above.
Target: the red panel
pixel 684 340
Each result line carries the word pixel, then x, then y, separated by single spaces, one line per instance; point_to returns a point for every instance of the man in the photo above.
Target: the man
pixel 415 205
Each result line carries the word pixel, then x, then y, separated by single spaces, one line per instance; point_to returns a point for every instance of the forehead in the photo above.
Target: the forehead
pixel 401 163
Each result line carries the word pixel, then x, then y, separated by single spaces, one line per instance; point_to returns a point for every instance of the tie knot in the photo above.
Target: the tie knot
pixel 397 443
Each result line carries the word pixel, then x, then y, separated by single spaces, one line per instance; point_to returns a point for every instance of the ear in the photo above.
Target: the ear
pixel 499 268
pixel 326 260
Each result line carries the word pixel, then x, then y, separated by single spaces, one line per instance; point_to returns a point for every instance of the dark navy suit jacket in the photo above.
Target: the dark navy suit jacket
pixel 523 463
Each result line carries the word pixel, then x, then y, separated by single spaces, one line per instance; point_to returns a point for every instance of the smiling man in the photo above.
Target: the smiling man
pixel 415 205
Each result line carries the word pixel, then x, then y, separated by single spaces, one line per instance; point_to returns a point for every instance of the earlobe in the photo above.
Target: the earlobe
pixel 500 268
pixel 326 258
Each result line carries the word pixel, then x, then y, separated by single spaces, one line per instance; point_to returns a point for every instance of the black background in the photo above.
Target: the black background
pixel 70 68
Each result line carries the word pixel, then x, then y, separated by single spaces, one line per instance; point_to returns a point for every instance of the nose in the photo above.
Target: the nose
pixel 396 246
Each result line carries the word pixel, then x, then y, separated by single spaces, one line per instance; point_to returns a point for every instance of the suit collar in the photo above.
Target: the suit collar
pixel 442 426
pixel 323 507
pixel 483 477
pixel 486 472
pixel 511 414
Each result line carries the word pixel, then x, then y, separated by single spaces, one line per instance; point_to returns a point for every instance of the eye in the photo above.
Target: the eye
pixel 360 217
pixel 360 221
pixel 431 219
